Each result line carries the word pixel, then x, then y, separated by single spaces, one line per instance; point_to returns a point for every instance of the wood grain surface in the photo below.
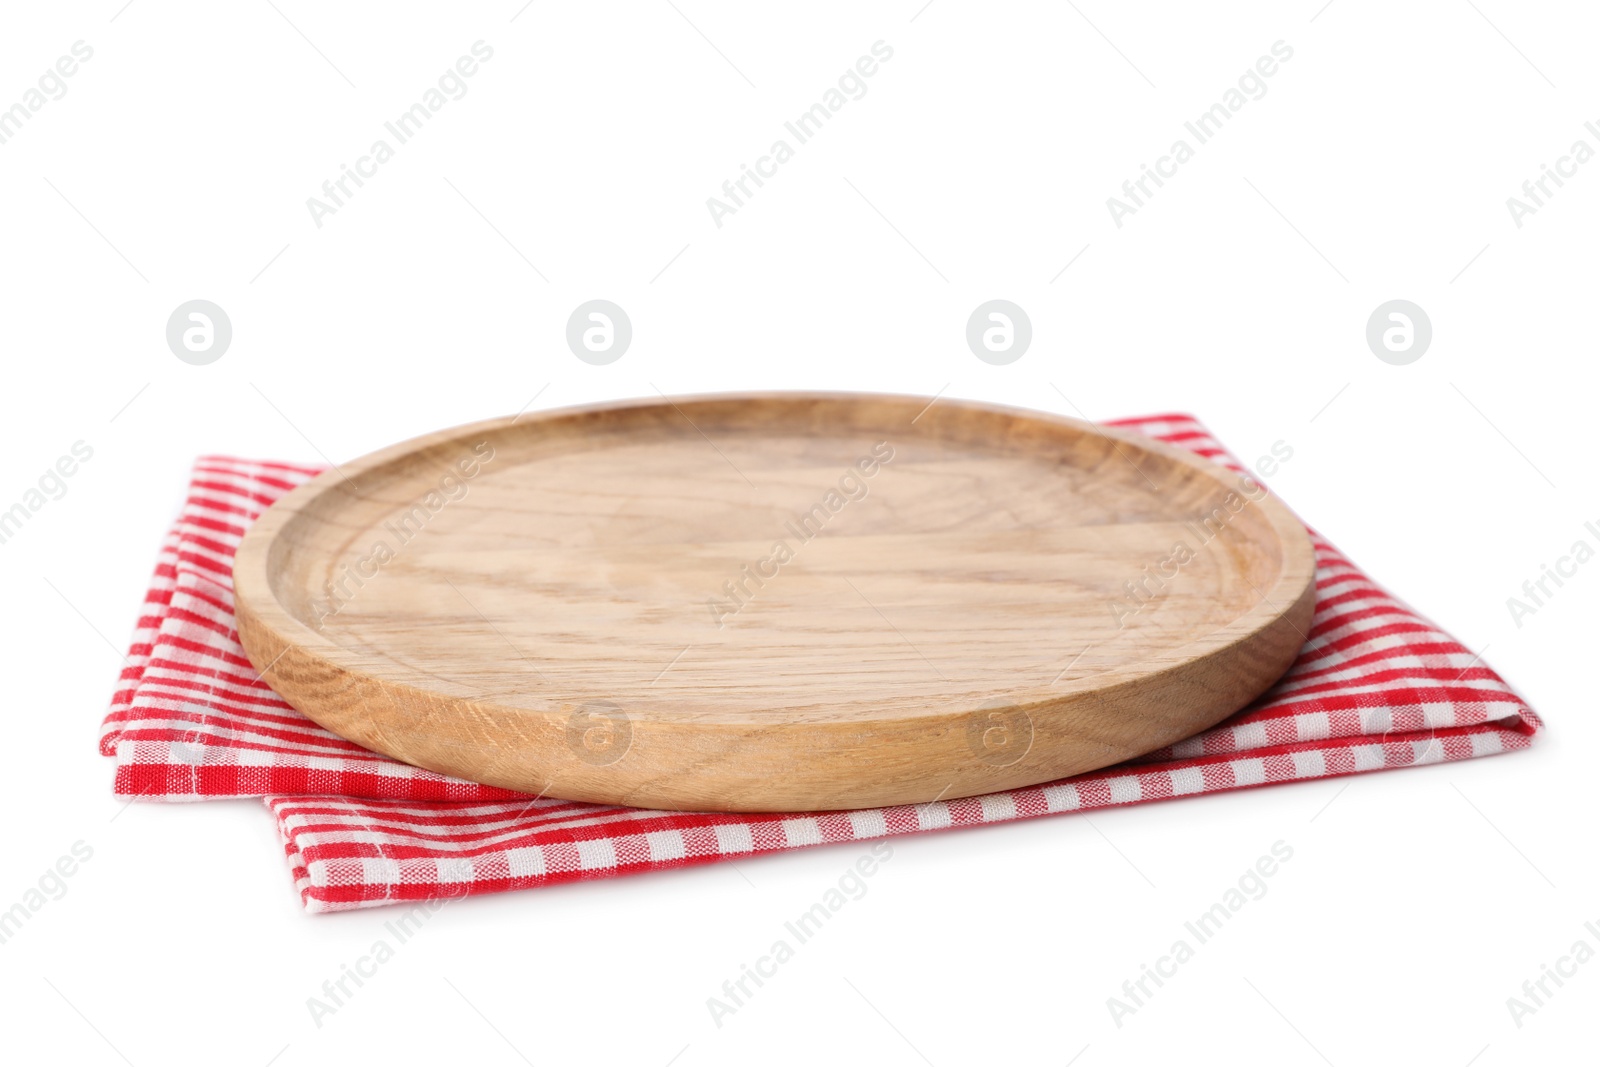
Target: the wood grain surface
pixel 774 602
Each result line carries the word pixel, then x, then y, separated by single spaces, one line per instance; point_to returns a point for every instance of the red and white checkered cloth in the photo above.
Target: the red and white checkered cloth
pixel 1377 686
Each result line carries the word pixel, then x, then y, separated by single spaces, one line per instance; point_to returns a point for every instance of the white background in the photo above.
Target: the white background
pixel 977 166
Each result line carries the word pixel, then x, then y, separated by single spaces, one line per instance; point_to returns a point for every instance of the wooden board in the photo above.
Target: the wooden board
pixel 777 602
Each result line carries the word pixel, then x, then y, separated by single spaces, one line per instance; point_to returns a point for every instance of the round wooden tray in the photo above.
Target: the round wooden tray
pixel 776 602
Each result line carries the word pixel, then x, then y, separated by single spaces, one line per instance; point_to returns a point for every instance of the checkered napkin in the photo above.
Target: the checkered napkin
pixel 1376 686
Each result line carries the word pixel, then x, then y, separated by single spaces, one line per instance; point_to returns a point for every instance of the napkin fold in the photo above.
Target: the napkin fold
pixel 1376 686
